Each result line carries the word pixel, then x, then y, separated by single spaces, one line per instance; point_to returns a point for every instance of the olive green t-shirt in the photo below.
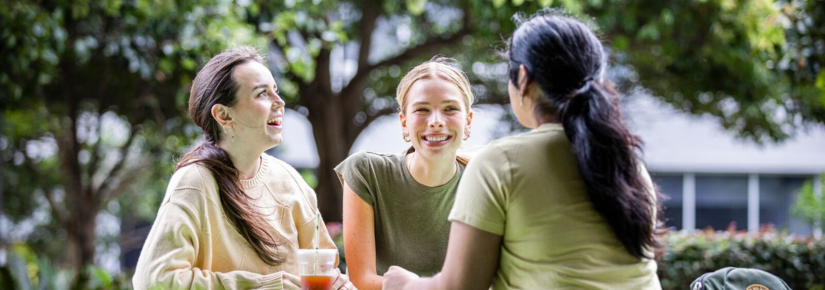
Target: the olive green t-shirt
pixel 411 226
pixel 527 188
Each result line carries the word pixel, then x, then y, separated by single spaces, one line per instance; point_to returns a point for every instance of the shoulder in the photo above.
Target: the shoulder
pixel 365 159
pixel 194 185
pixel 279 166
pixel 282 173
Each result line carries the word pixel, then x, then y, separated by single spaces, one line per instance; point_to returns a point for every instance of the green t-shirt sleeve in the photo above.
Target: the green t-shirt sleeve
pixel 356 172
pixel 481 200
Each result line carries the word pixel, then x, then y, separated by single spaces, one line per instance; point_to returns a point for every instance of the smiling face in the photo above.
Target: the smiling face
pixel 435 117
pixel 257 115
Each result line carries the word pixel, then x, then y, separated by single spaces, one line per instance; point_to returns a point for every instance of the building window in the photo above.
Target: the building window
pixel 777 195
pixel 720 201
pixel 671 187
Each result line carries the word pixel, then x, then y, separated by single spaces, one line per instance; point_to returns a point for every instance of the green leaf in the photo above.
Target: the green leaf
pixel 820 84
pixel 416 7
pixel 188 63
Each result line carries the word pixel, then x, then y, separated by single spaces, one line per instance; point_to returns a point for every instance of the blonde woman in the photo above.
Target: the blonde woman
pixel 396 205
pixel 567 205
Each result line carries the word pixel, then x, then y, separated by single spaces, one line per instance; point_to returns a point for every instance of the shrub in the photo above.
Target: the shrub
pixel 799 260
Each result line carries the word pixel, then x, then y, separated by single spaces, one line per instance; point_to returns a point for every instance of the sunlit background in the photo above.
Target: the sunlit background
pixel 728 96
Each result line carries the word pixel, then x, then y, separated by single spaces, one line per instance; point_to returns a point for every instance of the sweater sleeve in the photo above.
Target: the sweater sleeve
pixel 175 245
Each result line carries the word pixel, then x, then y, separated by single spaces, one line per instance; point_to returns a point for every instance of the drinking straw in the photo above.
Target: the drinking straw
pixel 316 241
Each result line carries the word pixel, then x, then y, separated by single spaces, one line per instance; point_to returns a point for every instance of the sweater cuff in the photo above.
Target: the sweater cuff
pixel 272 281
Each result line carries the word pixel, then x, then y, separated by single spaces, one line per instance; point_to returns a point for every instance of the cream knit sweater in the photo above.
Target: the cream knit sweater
pixel 192 245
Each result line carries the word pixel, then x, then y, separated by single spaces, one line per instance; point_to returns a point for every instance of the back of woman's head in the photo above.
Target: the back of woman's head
pixel 566 61
pixel 214 85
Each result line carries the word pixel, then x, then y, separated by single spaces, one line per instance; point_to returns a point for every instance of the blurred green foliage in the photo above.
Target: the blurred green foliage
pixel 28 269
pixel 71 67
pixel 808 206
pixel 797 260
pixel 93 110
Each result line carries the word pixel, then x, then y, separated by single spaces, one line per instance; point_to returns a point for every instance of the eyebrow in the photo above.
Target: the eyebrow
pixel 427 103
pixel 264 86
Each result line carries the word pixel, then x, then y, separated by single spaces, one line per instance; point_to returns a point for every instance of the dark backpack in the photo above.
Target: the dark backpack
pixel 731 278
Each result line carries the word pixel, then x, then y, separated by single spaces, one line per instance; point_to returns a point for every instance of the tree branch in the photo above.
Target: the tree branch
pixel 93 163
pixel 289 74
pixel 99 194
pixel 368 17
pixel 133 239
pixel 378 114
pixel 127 180
pixel 432 44
pixel 58 212
pixel 493 101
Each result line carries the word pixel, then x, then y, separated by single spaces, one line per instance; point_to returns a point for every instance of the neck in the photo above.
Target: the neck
pixel 431 172
pixel 544 119
pixel 246 160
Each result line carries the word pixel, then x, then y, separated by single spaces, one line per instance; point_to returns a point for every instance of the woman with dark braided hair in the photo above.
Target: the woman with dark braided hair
pixel 568 205
pixel 233 217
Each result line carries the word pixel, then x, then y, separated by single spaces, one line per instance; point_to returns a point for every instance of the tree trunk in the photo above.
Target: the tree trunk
pixel 326 116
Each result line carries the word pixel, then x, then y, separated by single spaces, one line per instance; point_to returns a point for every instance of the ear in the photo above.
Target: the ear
pixel 522 80
pixel 221 114
pixel 469 118
pixel 403 121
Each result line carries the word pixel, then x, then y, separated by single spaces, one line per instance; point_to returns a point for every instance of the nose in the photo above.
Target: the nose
pixel 278 102
pixel 436 120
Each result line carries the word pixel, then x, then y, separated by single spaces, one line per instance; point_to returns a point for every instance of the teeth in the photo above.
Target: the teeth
pixel 435 138
pixel 275 120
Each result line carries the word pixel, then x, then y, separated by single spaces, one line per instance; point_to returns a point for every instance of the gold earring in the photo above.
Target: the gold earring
pixel 407 136
pixel 521 102
pixel 467 134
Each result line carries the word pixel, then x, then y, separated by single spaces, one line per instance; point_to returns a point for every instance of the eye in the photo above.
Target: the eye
pixel 422 110
pixel 262 94
pixel 452 108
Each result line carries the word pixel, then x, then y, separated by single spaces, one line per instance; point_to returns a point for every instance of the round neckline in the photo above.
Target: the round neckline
pixel 452 180
pixel 262 169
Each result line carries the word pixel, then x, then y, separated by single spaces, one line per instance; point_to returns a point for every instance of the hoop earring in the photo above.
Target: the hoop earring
pixel 407 136
pixel 467 135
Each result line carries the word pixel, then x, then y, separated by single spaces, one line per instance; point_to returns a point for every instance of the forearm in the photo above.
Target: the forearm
pixel 203 279
pixel 367 281
pixel 432 283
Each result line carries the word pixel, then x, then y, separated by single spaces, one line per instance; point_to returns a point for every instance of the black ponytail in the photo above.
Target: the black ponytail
pixel 609 164
pixel 565 60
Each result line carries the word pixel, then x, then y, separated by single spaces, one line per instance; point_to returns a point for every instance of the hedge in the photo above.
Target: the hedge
pixel 799 260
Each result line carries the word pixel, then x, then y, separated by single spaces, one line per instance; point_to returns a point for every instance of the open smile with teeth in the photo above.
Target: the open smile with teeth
pixel 438 138
pixel 274 121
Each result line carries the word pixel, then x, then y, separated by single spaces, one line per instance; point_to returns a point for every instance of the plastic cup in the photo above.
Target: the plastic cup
pixel 316 268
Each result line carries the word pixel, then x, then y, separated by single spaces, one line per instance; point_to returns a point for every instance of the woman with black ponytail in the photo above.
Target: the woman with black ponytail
pixel 568 205
pixel 233 217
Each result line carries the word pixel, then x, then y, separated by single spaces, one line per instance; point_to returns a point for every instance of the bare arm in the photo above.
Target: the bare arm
pixel 359 240
pixel 471 262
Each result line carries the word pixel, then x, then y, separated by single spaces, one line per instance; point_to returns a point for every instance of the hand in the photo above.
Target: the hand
pixel 341 281
pixel 291 282
pixel 397 278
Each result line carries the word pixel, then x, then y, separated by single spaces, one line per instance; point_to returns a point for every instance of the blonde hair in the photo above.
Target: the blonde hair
pixel 437 67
